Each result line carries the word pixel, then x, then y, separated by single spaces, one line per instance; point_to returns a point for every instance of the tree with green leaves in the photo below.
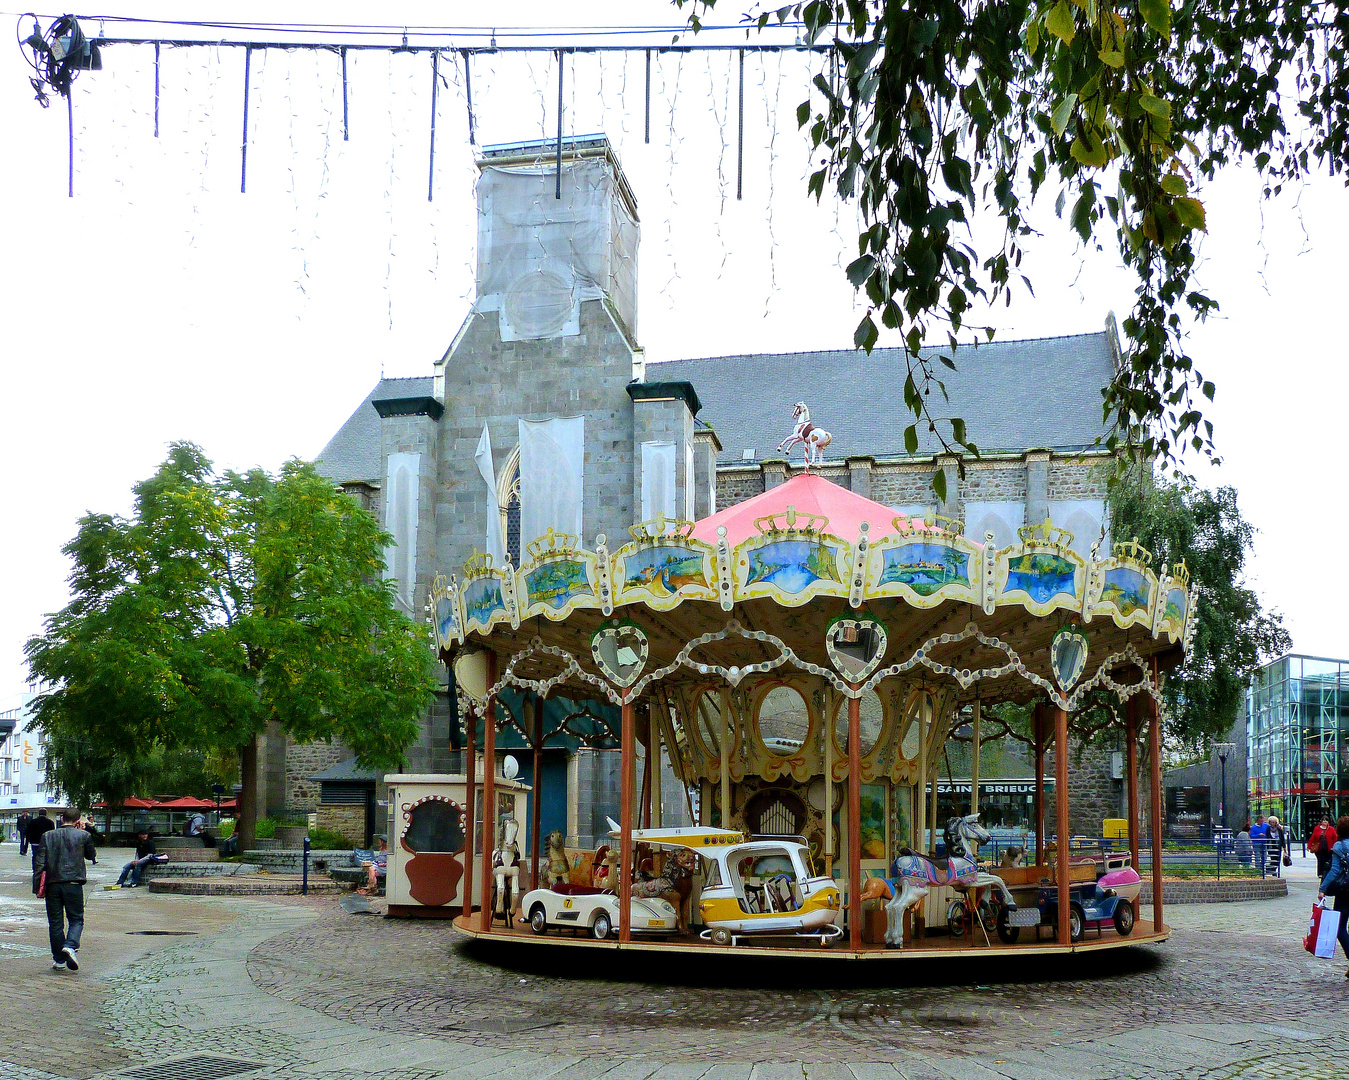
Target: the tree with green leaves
pixel 1234 634
pixel 930 114
pixel 225 604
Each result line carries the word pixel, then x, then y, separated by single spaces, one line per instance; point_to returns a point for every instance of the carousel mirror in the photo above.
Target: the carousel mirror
pixel 619 650
pixel 470 674
pixel 784 721
pixel 871 722
pixel 855 647
pixel 1068 656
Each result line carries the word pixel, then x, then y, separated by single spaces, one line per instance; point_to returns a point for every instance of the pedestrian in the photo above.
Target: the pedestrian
pixel 1245 850
pixel 1336 883
pixel 61 856
pixel 38 827
pixel 22 827
pixel 1276 838
pixel 196 825
pixel 1322 839
pixel 145 854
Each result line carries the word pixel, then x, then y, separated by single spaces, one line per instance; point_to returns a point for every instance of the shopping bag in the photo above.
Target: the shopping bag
pixel 1323 932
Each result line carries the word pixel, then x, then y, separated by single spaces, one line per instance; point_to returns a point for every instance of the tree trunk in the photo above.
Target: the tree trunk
pixel 248 796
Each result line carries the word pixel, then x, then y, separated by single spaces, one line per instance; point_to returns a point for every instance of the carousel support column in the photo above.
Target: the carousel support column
pixel 489 796
pixel 1155 811
pixel 854 823
pixel 536 796
pixel 1061 797
pixel 920 800
pixel 726 758
pixel 647 782
pixel 828 736
pixel 1038 721
pixel 654 816
pixel 974 761
pixel 629 753
pixel 470 808
pixel 1131 774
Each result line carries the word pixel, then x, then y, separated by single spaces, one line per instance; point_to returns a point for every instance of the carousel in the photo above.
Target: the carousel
pixel 802 659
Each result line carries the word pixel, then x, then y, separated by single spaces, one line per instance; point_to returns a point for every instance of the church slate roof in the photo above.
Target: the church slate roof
pixel 1041 393
pixel 353 453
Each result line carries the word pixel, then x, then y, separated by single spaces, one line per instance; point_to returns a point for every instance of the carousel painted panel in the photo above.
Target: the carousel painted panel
pixel 664 566
pixel 1043 574
pixel 559 578
pixel 1174 611
pixel 792 567
pixel 1123 592
pixel 486 596
pixel 925 568
pixel 445 600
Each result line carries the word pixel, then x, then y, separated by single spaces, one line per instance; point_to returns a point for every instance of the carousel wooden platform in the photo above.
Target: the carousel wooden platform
pixel 937 947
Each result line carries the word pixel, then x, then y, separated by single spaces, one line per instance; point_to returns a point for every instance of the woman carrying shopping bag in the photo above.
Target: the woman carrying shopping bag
pixel 1336 882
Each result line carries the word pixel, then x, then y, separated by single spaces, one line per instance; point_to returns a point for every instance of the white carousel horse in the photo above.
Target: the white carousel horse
pixel 912 875
pixel 506 870
pixel 813 439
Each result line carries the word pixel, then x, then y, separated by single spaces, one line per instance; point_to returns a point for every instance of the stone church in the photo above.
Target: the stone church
pixel 543 409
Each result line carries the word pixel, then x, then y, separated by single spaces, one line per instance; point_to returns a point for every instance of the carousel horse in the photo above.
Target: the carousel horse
pixel 913 874
pixel 813 439
pixel 506 870
pixel 556 871
pixel 674 884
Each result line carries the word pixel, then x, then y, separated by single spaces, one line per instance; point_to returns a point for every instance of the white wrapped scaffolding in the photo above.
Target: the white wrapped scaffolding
pixel 539 256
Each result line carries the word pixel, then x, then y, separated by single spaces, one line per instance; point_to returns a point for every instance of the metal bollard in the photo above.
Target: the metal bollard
pixel 304 873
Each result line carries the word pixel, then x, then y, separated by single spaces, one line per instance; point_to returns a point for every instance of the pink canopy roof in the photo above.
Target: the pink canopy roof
pixel 809 493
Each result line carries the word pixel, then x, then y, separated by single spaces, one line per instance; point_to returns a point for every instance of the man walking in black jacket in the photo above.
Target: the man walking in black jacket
pixel 61 855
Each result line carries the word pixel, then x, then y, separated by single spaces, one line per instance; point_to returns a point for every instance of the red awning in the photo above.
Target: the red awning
pixel 131 803
pixel 807 493
pixel 186 802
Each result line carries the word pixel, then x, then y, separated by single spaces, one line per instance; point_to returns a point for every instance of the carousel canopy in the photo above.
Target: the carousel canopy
pixel 838 511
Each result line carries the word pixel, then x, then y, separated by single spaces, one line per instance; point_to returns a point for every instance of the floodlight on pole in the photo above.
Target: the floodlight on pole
pixel 1222 749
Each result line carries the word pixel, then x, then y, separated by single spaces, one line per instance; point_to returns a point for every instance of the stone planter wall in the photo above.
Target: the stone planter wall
pixel 1211 891
pixel 291 836
pixel 291 862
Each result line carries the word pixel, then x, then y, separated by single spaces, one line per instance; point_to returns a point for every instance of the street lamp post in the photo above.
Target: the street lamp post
pixel 1222 750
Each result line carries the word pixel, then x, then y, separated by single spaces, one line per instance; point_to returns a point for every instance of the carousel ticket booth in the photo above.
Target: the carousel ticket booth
pixel 429 846
pixel 802 659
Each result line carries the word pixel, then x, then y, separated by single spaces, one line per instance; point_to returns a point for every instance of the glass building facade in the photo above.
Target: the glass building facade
pixel 1297 721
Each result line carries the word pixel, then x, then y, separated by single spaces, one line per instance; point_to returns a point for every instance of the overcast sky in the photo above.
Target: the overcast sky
pixel 160 303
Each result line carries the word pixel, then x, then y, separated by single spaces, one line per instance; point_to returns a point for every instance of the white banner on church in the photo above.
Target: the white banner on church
pixel 496 544
pixel 658 480
pixel 552 466
pixel 402 488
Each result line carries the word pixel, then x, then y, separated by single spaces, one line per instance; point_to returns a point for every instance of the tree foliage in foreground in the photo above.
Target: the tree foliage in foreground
pixel 932 112
pixel 224 603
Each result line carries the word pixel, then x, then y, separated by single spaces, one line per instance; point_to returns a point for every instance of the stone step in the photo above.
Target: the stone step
pixel 192 855
pixel 291 862
pixel 181 870
pixel 245 885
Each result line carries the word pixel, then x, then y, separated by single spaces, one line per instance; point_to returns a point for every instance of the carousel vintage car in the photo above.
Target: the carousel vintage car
pixel 582 907
pixel 760 885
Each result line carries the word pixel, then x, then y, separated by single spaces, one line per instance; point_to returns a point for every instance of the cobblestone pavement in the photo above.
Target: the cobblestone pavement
pixel 308 992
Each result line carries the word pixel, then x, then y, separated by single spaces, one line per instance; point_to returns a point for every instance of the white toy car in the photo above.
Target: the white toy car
pixel 594 910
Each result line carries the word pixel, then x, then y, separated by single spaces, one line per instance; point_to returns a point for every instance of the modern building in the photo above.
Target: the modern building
pixel 1297 720
pixel 543 414
pixel 23 768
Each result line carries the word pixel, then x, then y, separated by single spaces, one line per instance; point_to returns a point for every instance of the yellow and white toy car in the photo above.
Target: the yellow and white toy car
pixel 762 885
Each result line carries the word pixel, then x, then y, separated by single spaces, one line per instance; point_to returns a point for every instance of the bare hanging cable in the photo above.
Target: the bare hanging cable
pixel 243 149
pixel 346 117
pixel 70 146
pixel 648 95
pixel 558 192
pixel 156 89
pixel 740 136
pixel 435 87
pixel 468 97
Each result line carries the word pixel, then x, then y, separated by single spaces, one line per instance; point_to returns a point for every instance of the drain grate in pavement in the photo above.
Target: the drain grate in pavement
pixel 164 933
pixel 502 1025
pixel 194 1067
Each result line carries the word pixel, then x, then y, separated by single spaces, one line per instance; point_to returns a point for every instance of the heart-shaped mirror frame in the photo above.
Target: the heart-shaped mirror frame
pixel 624 634
pixel 1068 656
pixel 858 627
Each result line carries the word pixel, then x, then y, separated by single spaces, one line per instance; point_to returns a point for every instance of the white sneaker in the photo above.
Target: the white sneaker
pixel 72 958
pixel 58 965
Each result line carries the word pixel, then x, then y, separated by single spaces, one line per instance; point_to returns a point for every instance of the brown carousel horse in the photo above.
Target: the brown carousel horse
pixel 674 884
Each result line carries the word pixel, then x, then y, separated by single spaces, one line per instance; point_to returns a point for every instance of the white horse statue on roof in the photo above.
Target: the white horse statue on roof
pixel 813 439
